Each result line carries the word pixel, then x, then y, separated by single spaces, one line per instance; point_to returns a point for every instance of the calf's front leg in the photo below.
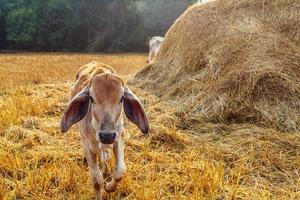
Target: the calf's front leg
pixel 120 167
pixel 96 175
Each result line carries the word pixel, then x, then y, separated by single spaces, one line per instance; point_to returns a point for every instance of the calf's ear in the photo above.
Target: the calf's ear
pixel 76 109
pixel 134 111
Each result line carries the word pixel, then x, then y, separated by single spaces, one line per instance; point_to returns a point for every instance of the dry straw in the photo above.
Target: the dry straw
pixel 232 61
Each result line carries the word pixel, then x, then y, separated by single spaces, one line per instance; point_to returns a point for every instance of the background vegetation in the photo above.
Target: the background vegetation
pixel 85 25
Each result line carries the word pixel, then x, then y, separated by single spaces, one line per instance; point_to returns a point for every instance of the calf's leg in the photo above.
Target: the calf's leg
pixel 96 175
pixel 120 167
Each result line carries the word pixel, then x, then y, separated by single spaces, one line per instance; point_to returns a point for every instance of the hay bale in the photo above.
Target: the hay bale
pixel 232 61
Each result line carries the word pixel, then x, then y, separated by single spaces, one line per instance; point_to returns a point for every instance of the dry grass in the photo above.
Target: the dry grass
pixel 176 161
pixel 19 69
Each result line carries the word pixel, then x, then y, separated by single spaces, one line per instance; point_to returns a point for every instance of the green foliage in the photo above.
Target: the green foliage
pixel 84 25
pixel 3 12
pixel 41 25
pixel 22 25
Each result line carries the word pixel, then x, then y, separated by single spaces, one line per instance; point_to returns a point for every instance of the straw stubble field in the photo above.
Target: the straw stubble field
pixel 176 160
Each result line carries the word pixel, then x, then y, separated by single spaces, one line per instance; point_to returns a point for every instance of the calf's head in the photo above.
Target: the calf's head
pixel 102 102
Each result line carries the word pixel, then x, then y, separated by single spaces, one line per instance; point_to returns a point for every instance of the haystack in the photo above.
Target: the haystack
pixel 232 61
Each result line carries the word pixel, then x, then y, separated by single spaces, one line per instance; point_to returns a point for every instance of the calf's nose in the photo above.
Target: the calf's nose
pixel 107 137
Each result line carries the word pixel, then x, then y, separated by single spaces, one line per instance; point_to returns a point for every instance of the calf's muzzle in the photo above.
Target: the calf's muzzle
pixel 107 137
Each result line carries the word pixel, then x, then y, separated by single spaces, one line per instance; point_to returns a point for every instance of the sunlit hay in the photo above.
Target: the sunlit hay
pixel 40 164
pixel 35 68
pixel 3 189
pixel 232 61
pixel 183 157
pixel 171 139
pixel 168 172
pixel 19 104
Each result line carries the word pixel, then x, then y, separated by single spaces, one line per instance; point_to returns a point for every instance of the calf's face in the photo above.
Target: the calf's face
pixel 103 101
pixel 106 98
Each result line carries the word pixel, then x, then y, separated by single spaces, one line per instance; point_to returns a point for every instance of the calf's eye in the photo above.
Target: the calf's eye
pixel 92 100
pixel 122 98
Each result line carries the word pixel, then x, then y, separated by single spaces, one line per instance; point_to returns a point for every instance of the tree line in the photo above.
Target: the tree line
pixel 85 25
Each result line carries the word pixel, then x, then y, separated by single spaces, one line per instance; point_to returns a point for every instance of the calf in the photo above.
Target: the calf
pixel 98 99
pixel 154 46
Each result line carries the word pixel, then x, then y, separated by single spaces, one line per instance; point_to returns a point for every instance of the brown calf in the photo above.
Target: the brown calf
pixel 99 97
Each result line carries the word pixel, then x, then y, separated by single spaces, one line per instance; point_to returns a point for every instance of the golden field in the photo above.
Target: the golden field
pixel 176 160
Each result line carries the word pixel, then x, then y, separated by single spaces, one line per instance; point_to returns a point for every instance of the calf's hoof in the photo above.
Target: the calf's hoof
pixel 111 186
